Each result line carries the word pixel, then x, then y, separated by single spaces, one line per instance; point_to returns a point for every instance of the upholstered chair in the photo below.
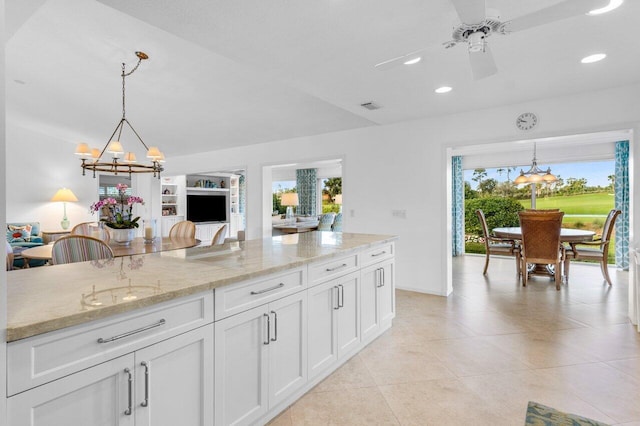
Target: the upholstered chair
pixel 183 229
pixel 326 221
pixel 337 223
pixel 79 248
pixel 92 229
pixel 220 235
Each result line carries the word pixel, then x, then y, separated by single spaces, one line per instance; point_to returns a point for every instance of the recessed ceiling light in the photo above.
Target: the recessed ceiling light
pixel 613 4
pixel 593 58
pixel 413 61
pixel 443 89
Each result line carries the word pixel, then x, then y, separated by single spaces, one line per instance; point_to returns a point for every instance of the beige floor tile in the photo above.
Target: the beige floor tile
pixel 538 350
pixel 474 356
pixel 353 374
pixel 403 364
pixel 629 366
pixel 441 402
pixel 364 406
pixel 609 390
pixel 509 393
pixel 605 343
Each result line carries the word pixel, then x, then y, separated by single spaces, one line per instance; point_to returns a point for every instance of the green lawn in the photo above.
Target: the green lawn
pixel 597 204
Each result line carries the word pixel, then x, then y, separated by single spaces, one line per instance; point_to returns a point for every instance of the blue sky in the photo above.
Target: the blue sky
pixel 595 172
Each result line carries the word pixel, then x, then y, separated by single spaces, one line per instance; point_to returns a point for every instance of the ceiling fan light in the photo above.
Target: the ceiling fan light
pixel 413 61
pixel 593 58
pixel 613 4
pixel 476 42
pixel 443 89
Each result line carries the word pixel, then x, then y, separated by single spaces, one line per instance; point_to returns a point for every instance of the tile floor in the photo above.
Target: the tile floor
pixel 478 356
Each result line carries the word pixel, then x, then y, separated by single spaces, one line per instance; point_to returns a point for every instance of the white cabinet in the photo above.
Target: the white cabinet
pixel 167 222
pixel 169 196
pixel 205 232
pixel 260 359
pixel 334 321
pixel 174 381
pixel 168 383
pixel 378 298
pixel 99 395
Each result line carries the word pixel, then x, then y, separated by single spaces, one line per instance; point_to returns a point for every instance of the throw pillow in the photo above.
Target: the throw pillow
pixel 17 236
pixel 26 228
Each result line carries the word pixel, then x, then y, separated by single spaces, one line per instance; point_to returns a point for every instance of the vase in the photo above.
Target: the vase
pixel 122 236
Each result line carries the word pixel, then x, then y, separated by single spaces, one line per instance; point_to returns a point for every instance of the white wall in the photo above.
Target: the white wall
pixel 385 168
pixel 38 165
pixel 404 167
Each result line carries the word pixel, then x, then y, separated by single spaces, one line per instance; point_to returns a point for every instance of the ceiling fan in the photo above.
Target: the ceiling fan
pixel 476 27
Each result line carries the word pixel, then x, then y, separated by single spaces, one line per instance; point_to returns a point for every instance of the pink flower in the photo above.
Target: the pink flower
pixel 121 187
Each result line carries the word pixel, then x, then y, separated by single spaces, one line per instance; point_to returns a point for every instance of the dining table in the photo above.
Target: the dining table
pixel 136 246
pixel 567 235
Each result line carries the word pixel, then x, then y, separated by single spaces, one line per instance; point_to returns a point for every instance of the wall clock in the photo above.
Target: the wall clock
pixel 526 121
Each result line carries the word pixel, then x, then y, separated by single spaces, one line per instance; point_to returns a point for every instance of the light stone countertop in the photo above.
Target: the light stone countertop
pixel 49 298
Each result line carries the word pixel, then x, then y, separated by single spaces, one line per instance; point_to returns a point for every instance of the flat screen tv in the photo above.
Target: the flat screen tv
pixel 206 208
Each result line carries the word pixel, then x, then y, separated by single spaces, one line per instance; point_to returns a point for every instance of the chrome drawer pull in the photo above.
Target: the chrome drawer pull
pixel 275 287
pixel 337 267
pixel 129 333
pixel 275 326
pixel 268 329
pixel 129 409
pixel 337 297
pixel 340 296
pixel 379 254
pixel 145 403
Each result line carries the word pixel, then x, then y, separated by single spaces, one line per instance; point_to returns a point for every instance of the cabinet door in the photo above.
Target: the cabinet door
pixel 241 367
pixel 322 326
pixel 174 381
pixel 97 396
pixel 369 317
pixel 287 346
pixel 348 313
pixel 386 293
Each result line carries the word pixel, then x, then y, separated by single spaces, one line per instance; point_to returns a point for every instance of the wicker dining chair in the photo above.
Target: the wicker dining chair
pixel 597 250
pixel 91 229
pixel 183 229
pixel 541 242
pixel 79 248
pixel 498 246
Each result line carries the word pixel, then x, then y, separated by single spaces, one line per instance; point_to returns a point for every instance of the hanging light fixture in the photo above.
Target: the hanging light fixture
pixel 535 174
pixel 92 158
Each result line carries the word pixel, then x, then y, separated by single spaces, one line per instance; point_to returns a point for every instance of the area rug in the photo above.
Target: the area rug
pixel 541 415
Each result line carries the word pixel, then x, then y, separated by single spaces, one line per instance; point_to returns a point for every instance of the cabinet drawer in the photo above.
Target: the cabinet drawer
pixel 40 359
pixel 333 268
pixel 240 297
pixel 377 254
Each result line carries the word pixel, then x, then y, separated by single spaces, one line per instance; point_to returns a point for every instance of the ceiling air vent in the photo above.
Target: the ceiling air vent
pixel 370 105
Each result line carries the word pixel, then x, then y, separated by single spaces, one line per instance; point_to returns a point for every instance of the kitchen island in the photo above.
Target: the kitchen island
pixel 228 334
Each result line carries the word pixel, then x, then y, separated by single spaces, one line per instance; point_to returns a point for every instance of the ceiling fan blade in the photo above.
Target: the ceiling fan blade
pixel 470 11
pixel 482 64
pixel 391 63
pixel 563 10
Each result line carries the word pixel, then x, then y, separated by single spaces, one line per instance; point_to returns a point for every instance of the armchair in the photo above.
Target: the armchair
pixel 21 236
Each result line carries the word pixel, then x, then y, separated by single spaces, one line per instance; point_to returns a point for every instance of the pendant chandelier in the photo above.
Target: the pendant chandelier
pixel 122 162
pixel 535 174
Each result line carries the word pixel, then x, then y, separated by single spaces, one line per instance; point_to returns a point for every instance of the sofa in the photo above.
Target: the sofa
pixel 21 236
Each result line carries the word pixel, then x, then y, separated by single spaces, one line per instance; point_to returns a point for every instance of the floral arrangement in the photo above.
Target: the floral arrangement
pixel 119 209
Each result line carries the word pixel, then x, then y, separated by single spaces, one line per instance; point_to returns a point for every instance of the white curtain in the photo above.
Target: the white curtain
pixel 634 290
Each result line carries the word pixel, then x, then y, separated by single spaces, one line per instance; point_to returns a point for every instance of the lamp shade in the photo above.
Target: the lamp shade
pixel 115 147
pixel 289 199
pixel 83 149
pixel 337 199
pixel 64 194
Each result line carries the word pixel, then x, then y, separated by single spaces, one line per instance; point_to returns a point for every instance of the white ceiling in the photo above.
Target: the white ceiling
pixel 230 73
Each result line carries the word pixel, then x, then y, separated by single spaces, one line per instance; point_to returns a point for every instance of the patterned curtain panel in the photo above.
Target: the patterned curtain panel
pixel 306 183
pixel 457 206
pixel 242 194
pixel 622 204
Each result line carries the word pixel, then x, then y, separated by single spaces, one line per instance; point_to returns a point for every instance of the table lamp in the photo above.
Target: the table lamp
pixel 289 199
pixel 64 195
